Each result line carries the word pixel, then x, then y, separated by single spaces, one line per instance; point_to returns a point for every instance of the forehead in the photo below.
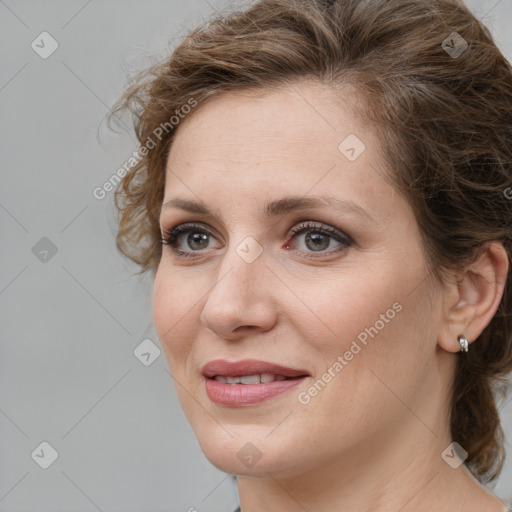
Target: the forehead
pixel 285 118
pixel 287 141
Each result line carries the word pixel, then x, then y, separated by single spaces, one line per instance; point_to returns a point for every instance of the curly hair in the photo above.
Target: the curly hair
pixel 437 92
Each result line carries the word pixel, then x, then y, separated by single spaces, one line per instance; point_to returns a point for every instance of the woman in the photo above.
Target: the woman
pixel 323 196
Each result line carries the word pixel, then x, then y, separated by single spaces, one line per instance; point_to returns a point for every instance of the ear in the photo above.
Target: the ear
pixel 473 297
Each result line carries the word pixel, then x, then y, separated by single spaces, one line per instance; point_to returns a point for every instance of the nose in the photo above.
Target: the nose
pixel 240 301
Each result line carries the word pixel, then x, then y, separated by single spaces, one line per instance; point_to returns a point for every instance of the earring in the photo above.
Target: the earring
pixel 464 343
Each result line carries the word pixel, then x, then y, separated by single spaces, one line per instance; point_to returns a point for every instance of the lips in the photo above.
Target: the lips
pixel 225 387
pixel 246 367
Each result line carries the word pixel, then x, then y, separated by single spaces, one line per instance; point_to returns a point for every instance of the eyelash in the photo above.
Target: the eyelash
pixel 171 237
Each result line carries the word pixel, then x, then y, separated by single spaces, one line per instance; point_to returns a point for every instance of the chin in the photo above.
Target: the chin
pixel 238 452
pixel 245 454
pixel 230 463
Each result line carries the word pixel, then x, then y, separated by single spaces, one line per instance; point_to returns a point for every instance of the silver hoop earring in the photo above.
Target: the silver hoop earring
pixel 464 343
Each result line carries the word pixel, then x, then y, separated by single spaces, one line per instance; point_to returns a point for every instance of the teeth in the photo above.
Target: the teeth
pixel 250 379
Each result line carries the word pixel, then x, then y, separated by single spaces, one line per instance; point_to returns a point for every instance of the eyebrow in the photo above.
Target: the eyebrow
pixel 277 207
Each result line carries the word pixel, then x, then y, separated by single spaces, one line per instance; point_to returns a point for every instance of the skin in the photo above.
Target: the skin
pixel 372 438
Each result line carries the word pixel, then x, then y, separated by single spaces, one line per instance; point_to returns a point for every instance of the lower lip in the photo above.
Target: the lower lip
pixel 237 395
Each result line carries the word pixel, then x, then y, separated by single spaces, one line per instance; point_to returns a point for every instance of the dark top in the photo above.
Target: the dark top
pixel 509 508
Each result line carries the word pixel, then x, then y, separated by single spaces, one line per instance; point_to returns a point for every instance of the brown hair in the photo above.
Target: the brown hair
pixel 444 121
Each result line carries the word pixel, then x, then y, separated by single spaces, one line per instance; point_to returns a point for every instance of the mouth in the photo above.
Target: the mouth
pixel 249 381
pixel 258 378
pixel 250 368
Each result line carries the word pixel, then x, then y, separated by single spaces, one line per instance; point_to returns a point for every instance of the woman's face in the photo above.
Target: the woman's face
pixel 343 300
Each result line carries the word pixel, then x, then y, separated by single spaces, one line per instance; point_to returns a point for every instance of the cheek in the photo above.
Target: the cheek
pixel 336 309
pixel 384 336
pixel 374 318
pixel 174 306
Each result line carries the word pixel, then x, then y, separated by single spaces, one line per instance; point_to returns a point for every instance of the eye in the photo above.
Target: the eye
pixel 318 239
pixel 197 239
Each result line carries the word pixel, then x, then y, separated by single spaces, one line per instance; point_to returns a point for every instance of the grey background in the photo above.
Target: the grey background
pixel 70 324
